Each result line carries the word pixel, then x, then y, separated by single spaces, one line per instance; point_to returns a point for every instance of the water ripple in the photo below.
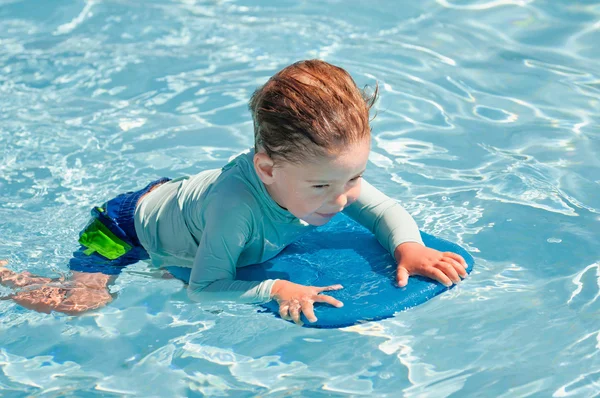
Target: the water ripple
pixel 486 131
pixel 591 290
pixel 484 5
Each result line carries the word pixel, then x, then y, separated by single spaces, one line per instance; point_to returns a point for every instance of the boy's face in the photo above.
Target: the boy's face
pixel 316 190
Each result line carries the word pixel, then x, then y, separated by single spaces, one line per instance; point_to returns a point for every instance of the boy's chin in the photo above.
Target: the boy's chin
pixel 316 222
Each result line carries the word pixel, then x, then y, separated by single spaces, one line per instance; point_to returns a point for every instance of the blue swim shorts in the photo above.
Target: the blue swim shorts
pixel 111 222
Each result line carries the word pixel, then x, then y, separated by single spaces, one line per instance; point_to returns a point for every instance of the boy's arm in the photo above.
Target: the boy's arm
pixel 384 217
pixel 227 228
pixel 397 231
pixel 225 233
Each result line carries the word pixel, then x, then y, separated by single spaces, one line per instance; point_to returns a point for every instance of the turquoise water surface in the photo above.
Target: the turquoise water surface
pixel 486 130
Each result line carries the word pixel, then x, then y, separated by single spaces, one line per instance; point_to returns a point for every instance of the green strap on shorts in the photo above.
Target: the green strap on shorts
pixel 96 237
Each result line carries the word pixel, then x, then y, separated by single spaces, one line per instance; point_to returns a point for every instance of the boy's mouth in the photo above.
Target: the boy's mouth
pixel 326 215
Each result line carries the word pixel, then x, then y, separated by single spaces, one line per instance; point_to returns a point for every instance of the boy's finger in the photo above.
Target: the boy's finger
pixel 457 257
pixel 458 267
pixel 284 311
pixel 308 311
pixel 321 298
pixel 3 263
pixel 330 288
pixel 439 276
pixel 295 314
pixel 448 269
pixel 401 276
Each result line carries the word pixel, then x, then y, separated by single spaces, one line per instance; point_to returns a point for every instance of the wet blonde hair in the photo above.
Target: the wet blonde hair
pixel 310 108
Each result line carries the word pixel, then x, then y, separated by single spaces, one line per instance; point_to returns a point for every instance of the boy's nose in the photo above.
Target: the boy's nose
pixel 340 201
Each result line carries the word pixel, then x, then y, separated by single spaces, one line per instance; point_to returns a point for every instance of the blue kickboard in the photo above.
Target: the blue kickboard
pixel 344 252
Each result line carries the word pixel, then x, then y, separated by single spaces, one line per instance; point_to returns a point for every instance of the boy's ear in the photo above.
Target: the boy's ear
pixel 264 167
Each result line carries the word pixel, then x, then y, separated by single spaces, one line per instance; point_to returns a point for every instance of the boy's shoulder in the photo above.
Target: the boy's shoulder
pixel 237 181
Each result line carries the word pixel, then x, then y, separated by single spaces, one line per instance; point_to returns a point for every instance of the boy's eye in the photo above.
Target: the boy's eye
pixel 321 186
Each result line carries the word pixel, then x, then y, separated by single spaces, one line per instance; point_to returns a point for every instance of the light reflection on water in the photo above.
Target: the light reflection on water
pixel 487 131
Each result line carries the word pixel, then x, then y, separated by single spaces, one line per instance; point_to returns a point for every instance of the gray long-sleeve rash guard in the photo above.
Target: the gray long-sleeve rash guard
pixel 222 219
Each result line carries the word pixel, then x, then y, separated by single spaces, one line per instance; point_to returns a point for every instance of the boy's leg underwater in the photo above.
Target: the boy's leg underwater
pixel 83 292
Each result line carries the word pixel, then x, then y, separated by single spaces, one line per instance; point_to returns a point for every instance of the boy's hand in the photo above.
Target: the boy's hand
pixel 295 299
pixel 416 259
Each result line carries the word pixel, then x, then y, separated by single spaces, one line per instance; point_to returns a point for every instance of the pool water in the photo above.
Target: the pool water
pixel 486 130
